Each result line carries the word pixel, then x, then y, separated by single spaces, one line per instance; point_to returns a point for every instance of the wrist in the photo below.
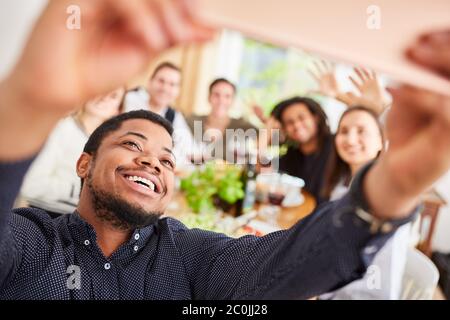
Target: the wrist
pixel 18 94
pixel 377 215
pixel 23 125
pixel 385 199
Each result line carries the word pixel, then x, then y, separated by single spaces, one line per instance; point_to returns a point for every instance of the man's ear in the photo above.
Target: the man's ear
pixel 84 165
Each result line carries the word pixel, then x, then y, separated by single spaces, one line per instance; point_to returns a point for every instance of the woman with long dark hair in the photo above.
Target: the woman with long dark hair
pixel 305 125
pixel 358 141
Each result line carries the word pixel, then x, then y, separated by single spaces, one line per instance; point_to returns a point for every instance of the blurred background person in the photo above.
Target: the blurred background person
pixel 160 95
pixel 222 94
pixel 358 141
pixel 51 183
pixel 310 142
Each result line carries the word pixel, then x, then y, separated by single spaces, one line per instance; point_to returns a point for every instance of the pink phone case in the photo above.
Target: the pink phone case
pixel 342 30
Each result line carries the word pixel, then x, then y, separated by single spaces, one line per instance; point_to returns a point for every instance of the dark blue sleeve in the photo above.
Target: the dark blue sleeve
pixel 11 177
pixel 323 252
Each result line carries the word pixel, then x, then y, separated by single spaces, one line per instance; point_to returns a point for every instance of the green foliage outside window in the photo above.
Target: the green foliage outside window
pixel 266 70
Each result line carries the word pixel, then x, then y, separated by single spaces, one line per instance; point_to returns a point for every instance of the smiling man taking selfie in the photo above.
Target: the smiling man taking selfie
pixel 116 239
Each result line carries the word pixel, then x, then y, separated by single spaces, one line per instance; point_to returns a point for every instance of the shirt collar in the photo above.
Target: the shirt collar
pixel 82 232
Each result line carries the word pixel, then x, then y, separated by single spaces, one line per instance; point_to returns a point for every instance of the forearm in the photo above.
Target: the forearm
pixel 386 198
pixel 23 127
pixel 334 248
pixel 11 175
pixel 331 250
pixel 323 252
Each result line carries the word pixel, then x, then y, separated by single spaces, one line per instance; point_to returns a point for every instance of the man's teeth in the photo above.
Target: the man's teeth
pixel 147 183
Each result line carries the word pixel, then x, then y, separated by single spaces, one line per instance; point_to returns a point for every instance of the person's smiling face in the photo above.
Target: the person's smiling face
pixel 164 87
pixel 299 123
pixel 221 99
pixel 133 165
pixel 358 139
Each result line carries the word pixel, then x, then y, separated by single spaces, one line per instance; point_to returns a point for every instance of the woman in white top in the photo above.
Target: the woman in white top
pixel 359 140
pixel 51 182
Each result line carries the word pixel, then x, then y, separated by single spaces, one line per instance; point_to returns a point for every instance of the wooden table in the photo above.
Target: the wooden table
pixel 291 215
pixel 286 219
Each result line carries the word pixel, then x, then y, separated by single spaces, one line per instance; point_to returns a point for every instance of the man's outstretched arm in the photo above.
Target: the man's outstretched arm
pixel 320 254
pixel 330 248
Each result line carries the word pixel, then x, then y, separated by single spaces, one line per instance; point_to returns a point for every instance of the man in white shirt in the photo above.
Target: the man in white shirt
pixel 162 91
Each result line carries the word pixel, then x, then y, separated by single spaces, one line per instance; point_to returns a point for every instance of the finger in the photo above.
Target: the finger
pixel 259 113
pixel 360 74
pixel 202 33
pixel 355 83
pixel 173 19
pixel 313 75
pixel 256 108
pixel 432 56
pixel 199 31
pixel 318 68
pixel 142 22
pixel 366 73
pixel 179 23
pixel 421 101
pixel 437 38
pixel 374 75
pixel 326 66
pixel 188 8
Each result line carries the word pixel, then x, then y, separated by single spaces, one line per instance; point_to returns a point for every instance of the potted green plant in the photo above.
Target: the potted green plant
pixel 213 186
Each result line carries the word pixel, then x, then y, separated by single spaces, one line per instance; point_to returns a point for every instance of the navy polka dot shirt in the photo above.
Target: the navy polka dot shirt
pixel 44 258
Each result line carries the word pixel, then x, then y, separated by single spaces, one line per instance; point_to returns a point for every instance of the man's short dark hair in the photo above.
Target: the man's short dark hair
pixel 95 139
pixel 221 80
pixel 113 124
pixel 163 65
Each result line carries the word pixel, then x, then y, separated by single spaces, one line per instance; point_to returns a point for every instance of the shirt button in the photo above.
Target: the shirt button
pixel 107 266
pixel 87 242
pixel 387 227
pixel 370 250
pixel 136 236
pixel 136 248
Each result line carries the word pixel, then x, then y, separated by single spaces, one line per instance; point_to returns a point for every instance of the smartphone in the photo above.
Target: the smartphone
pixel 368 33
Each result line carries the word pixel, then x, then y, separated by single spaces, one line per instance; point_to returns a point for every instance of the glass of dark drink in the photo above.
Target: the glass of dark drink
pixel 276 198
pixel 277 191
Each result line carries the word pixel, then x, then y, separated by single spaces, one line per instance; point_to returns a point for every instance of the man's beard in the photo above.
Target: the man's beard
pixel 118 213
